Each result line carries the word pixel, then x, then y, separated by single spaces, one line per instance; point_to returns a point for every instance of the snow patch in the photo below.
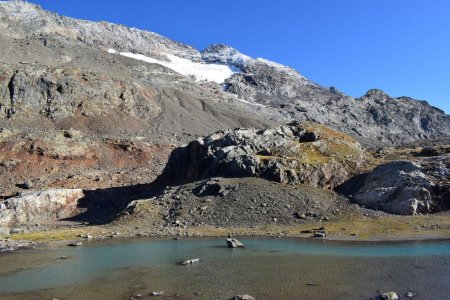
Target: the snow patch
pixel 210 72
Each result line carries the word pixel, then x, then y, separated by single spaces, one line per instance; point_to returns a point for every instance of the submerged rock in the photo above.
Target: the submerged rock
pixel 189 261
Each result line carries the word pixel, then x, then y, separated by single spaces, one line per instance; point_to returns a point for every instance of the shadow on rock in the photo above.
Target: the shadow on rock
pixel 351 186
pixel 101 206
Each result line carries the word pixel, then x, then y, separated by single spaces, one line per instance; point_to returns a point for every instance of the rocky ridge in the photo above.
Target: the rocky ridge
pixel 294 154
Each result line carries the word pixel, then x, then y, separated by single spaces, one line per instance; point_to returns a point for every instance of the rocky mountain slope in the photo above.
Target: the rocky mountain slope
pixel 31 36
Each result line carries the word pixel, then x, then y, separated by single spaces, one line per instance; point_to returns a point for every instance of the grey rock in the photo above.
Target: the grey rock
pixel 292 154
pixel 234 243
pixel 27 185
pixel 243 297
pixel 75 244
pixel 8 245
pixel 406 188
pixel 319 233
pixel 16 230
pixel 389 296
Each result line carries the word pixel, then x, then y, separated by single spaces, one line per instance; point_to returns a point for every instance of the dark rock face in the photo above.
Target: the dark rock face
pixel 408 188
pixel 293 154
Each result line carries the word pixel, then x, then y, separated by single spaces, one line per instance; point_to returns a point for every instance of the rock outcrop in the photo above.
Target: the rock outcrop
pixel 43 207
pixel 294 154
pixel 408 188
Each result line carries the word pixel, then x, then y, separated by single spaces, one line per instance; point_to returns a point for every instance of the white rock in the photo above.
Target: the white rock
pixel 40 207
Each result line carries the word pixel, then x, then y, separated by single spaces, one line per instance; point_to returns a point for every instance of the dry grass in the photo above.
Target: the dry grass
pixel 348 227
pixel 61 234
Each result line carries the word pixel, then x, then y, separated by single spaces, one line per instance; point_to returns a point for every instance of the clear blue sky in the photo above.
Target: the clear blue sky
pixel 399 46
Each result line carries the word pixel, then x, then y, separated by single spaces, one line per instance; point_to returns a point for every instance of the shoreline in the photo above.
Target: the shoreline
pixel 361 230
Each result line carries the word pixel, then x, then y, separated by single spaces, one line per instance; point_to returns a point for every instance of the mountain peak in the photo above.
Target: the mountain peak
pixel 220 53
pixel 377 95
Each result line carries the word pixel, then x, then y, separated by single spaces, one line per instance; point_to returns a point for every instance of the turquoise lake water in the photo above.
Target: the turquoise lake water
pixel 267 269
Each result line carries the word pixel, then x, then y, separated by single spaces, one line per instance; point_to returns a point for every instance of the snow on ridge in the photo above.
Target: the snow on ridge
pixel 202 71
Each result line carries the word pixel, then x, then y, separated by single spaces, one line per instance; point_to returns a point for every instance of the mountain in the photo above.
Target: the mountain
pixel 66 72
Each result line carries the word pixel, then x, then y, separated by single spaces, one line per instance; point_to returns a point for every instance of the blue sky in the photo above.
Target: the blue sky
pixel 399 46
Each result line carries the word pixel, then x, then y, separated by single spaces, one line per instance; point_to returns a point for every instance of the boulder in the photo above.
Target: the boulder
pixel 389 296
pixel 319 233
pixel 41 207
pixel 234 243
pixel 399 187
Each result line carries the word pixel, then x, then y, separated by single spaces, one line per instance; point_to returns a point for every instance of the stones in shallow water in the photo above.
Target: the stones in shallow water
pixel 234 243
pixel 189 261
